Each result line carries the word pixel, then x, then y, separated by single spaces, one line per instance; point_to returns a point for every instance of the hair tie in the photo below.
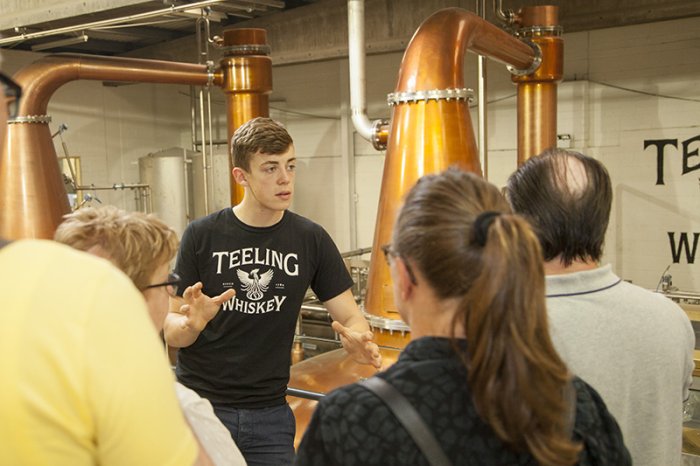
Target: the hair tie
pixel 481 226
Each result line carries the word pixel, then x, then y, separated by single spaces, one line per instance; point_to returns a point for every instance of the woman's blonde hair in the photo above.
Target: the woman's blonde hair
pixel 492 263
pixel 135 242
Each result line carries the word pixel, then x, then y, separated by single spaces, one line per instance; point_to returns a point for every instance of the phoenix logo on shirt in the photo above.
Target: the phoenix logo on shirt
pixel 253 284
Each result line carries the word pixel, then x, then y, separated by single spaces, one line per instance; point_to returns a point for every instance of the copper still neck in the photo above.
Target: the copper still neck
pixel 247 83
pixel 537 92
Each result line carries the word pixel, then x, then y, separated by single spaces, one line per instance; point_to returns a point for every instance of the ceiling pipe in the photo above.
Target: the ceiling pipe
pixel 107 22
pixel 505 16
pixel 376 131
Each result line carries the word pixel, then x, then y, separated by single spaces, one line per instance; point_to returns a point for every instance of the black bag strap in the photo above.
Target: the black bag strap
pixel 409 418
pixel 570 400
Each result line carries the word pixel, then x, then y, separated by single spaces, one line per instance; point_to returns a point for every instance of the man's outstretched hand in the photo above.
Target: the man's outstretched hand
pixel 359 345
pixel 199 308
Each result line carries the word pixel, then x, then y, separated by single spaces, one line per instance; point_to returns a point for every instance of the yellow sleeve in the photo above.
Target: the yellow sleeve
pixel 137 419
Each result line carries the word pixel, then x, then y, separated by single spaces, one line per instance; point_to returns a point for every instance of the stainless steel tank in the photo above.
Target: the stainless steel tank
pixel 171 187
pixel 219 179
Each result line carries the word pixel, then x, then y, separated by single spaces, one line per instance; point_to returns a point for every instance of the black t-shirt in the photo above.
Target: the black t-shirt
pixel 242 357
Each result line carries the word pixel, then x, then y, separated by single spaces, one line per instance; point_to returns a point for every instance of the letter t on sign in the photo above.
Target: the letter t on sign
pixel 660 144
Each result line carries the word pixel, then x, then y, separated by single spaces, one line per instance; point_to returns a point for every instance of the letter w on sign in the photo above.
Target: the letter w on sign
pixel 683 244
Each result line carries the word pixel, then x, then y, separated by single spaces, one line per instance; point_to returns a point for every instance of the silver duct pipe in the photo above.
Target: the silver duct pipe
pixel 482 137
pixel 356 56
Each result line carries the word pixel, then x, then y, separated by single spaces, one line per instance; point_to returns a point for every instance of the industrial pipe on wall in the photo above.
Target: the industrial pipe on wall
pixel 356 58
pixel 374 131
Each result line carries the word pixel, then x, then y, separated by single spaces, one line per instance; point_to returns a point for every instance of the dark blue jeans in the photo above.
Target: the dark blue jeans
pixel 265 436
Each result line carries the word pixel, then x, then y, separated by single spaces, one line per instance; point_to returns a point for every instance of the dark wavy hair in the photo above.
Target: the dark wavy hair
pixel 516 377
pixel 261 134
pixel 567 196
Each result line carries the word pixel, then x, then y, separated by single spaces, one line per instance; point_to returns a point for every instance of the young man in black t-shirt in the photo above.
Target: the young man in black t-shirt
pixel 257 261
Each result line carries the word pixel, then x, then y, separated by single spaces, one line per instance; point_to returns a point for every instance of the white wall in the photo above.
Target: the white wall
pixel 611 124
pixel 340 174
pixel 661 59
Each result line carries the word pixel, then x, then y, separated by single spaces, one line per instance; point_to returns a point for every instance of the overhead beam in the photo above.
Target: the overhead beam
pixel 131 34
pixel 17 13
pixel 319 31
pixel 106 22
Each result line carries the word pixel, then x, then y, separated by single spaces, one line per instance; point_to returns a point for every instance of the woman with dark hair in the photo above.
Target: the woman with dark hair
pixel 481 371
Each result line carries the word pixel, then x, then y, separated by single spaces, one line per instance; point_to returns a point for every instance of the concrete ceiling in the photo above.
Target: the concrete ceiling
pixel 84 26
pixel 298 30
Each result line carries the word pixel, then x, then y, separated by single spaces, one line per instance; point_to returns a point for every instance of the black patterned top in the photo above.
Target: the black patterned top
pixel 351 426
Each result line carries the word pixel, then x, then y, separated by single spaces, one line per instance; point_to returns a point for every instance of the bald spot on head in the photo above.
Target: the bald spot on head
pixel 571 175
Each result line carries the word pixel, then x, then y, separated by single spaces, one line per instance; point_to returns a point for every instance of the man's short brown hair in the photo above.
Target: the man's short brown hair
pixel 259 135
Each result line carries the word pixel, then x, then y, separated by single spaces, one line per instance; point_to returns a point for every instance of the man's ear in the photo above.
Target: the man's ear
pixel 239 176
pixel 404 282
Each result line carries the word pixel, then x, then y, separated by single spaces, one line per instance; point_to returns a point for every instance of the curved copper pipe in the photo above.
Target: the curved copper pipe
pixel 435 56
pixel 33 199
pixel 40 79
pixel 247 83
pixel 429 136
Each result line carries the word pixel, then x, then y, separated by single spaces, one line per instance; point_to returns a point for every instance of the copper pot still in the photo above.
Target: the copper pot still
pixel 33 199
pixel 431 130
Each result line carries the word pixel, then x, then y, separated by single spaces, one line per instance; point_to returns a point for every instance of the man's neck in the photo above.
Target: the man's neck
pixel 257 217
pixel 556 267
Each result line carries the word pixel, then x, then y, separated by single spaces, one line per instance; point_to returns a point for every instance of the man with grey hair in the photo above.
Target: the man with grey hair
pixel 632 345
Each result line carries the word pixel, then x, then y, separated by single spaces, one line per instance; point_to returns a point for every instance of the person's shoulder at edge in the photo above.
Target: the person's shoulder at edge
pixel 598 429
pixel 660 301
pixel 632 292
pixel 108 283
pixel 44 249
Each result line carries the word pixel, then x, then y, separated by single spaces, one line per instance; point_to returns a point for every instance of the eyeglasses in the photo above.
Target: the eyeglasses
pixel 173 283
pixel 13 92
pixel 389 252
